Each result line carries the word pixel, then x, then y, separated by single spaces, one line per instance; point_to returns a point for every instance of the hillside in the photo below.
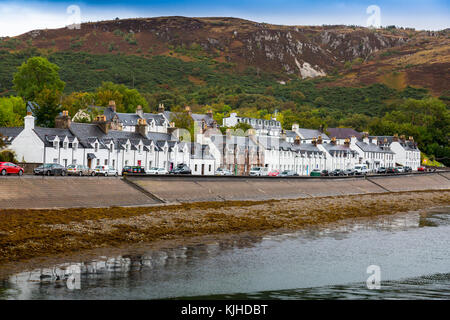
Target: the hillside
pixel 205 49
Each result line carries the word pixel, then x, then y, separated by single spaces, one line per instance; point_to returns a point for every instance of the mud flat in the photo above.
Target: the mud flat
pixel 26 234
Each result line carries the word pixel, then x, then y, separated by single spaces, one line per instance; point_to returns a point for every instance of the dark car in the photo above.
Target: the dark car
pixel 349 172
pixel 51 169
pixel 288 173
pixel 381 170
pixel 137 169
pixel 337 172
pixel 392 170
pixel 324 173
pixel 10 168
pixel 126 170
pixel 407 169
pixel 181 169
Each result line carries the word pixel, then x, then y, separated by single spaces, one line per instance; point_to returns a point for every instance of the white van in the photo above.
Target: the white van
pixel 361 169
pixel 259 171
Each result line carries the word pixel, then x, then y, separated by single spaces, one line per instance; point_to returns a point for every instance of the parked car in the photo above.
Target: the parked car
pixel 137 169
pixel 337 172
pixel 223 172
pixel 274 173
pixel 316 173
pixel 50 169
pixel 349 172
pixel 155 170
pixel 78 170
pixel 10 168
pixel 400 169
pixel 259 171
pixel 324 173
pixel 126 170
pixel 421 168
pixel 381 170
pixel 407 169
pixel 361 169
pixel 392 170
pixel 105 171
pixel 288 173
pixel 181 169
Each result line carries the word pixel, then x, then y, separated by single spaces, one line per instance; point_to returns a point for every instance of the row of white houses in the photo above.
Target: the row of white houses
pixel 150 143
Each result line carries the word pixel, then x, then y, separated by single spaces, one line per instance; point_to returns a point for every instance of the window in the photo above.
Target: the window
pixel 126 148
pixel 55 160
pixel 195 168
pixel 74 161
pixel 114 163
pixel 55 144
pixel 112 147
pixel 65 145
pixel 98 162
pixel 75 146
pixel 106 162
pixel 96 147
pixel 126 162
pixel 209 168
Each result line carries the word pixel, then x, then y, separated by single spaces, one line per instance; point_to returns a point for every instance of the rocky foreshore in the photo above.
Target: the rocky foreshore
pixel 26 234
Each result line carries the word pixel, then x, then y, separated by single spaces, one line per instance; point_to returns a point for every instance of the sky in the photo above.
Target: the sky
pixel 17 17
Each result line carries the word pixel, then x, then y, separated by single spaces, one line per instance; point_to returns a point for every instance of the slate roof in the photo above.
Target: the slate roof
pixel 331 148
pixel 47 135
pixel 311 133
pixel 203 117
pixel 158 118
pixel 343 133
pixel 10 133
pixel 371 147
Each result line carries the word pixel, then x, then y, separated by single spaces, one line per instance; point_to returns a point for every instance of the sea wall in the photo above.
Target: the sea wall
pixel 69 192
pixel 192 189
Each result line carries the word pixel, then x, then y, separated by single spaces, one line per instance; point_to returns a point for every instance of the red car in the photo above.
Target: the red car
pixel 421 168
pixel 274 173
pixel 10 168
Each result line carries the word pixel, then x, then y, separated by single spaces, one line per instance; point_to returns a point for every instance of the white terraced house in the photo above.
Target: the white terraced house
pixel 373 154
pixel 338 156
pixel 93 144
pixel 406 151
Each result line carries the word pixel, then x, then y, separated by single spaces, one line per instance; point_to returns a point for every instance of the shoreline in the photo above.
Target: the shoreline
pixel 31 234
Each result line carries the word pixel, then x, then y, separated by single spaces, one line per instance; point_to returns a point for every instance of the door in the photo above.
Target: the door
pixel 139 163
pixel 89 163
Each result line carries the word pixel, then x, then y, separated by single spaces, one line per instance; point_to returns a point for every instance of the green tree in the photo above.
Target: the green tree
pixel 49 107
pixel 12 111
pixel 126 99
pixel 34 76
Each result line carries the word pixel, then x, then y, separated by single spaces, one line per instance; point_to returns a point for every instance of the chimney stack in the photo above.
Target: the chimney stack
pixel 188 110
pixel 142 127
pixel 139 111
pixel 297 140
pixel 314 141
pixel 333 140
pixel 366 137
pixel 295 126
pixel 29 121
pixel 63 121
pixel 375 140
pixel 100 121
pixel 210 113
pixel 319 140
pixel 395 138
pixel 112 105
pixel 411 139
pixel 347 142
pixel 161 108
pixel 402 138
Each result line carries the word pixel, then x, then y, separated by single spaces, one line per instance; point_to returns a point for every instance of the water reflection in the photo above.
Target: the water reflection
pixel 250 262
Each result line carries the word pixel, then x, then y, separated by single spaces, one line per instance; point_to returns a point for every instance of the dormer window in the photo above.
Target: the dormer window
pixel 75 146
pixel 127 147
pixel 55 145
pixel 112 147
pixel 139 148
pixel 65 145
pixel 96 147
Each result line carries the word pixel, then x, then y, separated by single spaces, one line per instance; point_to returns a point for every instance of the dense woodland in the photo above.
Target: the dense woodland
pixel 77 80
